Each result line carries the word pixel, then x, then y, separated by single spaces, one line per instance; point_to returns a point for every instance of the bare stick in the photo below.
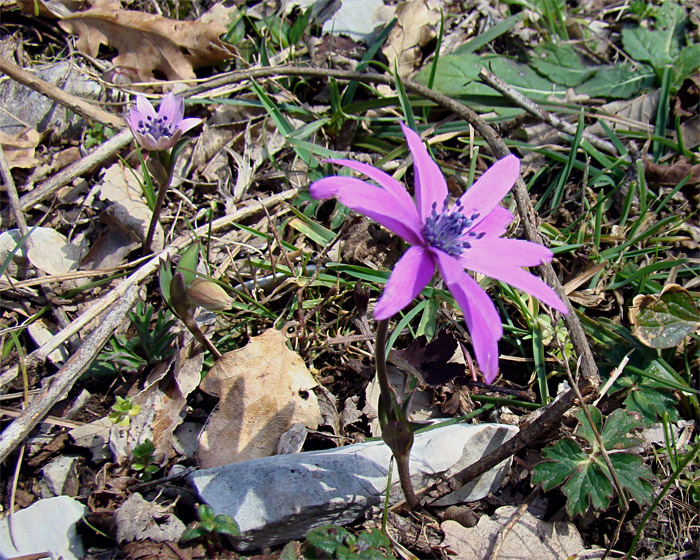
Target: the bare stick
pixel 534 109
pixel 11 191
pixel 75 169
pixel 66 376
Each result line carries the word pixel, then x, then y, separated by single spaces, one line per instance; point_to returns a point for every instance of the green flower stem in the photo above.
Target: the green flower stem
pixel 396 432
pixel 386 394
pixel 163 159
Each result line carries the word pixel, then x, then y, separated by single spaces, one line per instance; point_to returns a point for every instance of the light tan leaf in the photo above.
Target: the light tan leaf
pixel 19 148
pixel 126 220
pixel 148 42
pixel 414 29
pixel 529 538
pixel 264 388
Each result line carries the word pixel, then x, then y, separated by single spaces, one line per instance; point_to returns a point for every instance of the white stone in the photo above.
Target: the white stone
pixel 279 498
pixel 60 477
pixel 45 526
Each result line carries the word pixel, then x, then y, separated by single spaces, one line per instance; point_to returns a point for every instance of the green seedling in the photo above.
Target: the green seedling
pixel 210 526
pixel 152 345
pixel 578 463
pixel 142 459
pixel 122 411
pixel 332 541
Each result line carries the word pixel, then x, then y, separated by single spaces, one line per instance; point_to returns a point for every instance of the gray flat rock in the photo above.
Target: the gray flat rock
pixel 23 106
pixel 279 498
pixel 45 526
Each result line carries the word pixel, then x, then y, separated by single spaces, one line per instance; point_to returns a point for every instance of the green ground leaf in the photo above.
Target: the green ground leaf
pixel 619 424
pixel 644 45
pixel 453 73
pixel 583 472
pixel 652 402
pixel 564 458
pixel 456 75
pixel 589 485
pixel 561 64
pixel 584 429
pixel 620 81
pixel 664 320
pixel 634 476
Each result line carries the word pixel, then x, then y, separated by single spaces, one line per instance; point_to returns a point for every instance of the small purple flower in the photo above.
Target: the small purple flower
pixel 159 131
pixel 464 235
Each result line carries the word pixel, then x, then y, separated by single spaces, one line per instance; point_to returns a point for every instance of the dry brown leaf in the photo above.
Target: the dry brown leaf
pixel 148 42
pixel 19 148
pixel 671 175
pixel 162 402
pixel 414 29
pixel 529 538
pixel 264 388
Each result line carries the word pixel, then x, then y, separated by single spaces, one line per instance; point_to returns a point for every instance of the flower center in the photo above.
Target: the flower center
pixel 446 230
pixel 156 127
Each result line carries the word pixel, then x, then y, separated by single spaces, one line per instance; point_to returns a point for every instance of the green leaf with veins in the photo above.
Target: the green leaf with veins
pixel 580 466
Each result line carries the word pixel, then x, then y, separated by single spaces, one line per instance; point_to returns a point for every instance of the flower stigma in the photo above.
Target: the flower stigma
pixel 446 230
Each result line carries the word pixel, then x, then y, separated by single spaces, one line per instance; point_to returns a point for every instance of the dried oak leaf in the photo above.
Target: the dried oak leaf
pixel 264 388
pixel 671 175
pixel 148 42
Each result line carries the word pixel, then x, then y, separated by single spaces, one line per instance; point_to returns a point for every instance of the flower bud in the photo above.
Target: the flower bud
pixel 178 297
pixel 398 436
pixel 208 294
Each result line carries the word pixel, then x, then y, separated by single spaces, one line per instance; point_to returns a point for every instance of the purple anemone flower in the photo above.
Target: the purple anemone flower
pixel 464 235
pixel 159 131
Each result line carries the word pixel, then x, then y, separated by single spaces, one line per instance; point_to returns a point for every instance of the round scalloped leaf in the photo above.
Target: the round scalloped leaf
pixel 664 320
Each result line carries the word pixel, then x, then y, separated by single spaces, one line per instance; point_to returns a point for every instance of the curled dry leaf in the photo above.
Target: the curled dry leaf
pixel 19 148
pixel 126 220
pixel 49 251
pixel 415 29
pixel 148 42
pixel 264 389
pixel 529 538
pixel 671 175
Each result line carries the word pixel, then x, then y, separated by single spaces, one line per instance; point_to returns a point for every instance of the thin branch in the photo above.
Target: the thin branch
pixel 534 109
pixel 20 427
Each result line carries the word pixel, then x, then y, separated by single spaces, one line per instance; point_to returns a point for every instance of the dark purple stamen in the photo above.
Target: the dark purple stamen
pixel 158 127
pixel 445 231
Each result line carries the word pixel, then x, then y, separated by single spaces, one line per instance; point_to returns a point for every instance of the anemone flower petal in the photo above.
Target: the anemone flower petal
pixel 144 107
pixel 373 202
pixel 410 275
pixel 484 195
pixel 382 179
pixel 186 124
pixel 480 314
pixel 133 117
pixel 430 182
pixel 515 252
pixel 495 223
pixel 519 278
pixel 173 107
